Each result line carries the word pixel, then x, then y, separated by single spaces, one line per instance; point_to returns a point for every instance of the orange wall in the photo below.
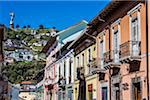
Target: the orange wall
pixel 124 28
pixel 107 40
pixel 125 36
pixel 143 29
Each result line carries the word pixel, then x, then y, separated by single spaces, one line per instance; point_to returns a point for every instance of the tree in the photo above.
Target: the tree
pixel 41 26
pixel 17 26
pixel 20 71
pixel 28 26
pixel 24 27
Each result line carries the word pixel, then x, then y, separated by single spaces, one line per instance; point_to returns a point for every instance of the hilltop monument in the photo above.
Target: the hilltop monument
pixel 12 15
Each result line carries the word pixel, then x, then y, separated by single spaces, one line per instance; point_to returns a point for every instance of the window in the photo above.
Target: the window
pixel 90 91
pixel 83 60
pixel 24 97
pixel 102 53
pixel 64 68
pixel 59 70
pixel 101 49
pixel 117 95
pixel 89 59
pixel 116 45
pixel 135 36
pixel 134 15
pixel 104 93
pixel 28 57
pixel 89 55
pixel 70 67
pixel 136 92
pixel 77 66
pixel 94 48
pixel 134 29
pixel 78 62
pixel 116 42
pixel 117 91
pixel 20 55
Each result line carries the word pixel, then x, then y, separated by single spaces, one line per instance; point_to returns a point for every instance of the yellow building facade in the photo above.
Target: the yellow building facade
pixel 85 59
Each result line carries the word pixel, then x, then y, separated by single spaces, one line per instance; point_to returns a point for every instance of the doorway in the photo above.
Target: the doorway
pixel 137 91
pixel 104 93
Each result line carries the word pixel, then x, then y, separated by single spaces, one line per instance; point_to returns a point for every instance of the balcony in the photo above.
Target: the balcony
pixel 93 66
pixel 107 59
pixel 60 79
pixel 92 63
pixel 115 58
pixel 62 82
pixel 111 58
pixel 130 51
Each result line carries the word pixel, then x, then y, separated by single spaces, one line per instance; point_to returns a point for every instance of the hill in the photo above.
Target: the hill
pixel 22 48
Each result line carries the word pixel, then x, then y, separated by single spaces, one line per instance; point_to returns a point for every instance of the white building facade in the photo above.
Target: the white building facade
pixel 59 64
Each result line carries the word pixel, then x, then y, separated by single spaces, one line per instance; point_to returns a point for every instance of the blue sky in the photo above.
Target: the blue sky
pixel 59 14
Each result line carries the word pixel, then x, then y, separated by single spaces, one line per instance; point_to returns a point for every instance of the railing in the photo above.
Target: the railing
pixel 92 70
pixel 130 48
pixel 115 56
pixel 93 63
pixel 92 66
pixel 62 81
pixel 107 57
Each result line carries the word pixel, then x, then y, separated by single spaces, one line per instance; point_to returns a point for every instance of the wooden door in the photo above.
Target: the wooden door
pixel 137 91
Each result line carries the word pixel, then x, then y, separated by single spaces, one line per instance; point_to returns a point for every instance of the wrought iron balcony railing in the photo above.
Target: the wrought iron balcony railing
pixel 92 63
pixel 107 57
pixel 93 66
pixel 61 80
pixel 111 58
pixel 115 56
pixel 130 49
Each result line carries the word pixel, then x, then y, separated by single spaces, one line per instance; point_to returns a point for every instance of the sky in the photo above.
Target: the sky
pixel 60 14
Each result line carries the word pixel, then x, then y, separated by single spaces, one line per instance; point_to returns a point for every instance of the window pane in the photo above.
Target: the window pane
pixel 135 29
pixel 101 49
pixel 89 58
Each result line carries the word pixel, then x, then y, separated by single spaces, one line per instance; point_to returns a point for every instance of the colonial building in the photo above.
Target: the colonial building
pixel 107 60
pixel 65 72
pixel 122 50
pixel 55 43
pixel 85 81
